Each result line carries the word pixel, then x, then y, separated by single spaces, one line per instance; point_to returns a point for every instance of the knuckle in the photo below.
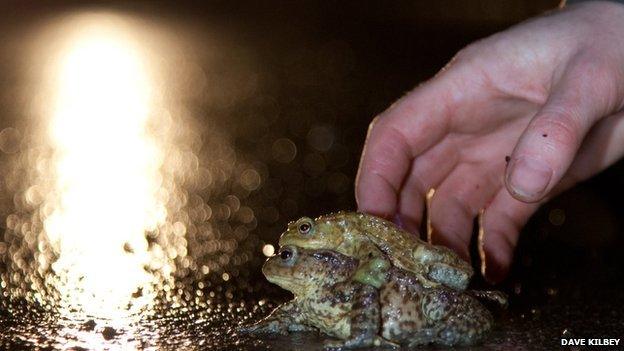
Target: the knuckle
pixel 374 124
pixel 382 126
pixel 389 140
pixel 504 229
pixel 500 246
pixel 463 206
pixel 599 76
pixel 510 224
pixel 595 70
pixel 478 53
pixel 505 238
pixel 456 229
pixel 468 53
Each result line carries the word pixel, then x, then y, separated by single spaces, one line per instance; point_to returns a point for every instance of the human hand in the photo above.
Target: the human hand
pixel 546 96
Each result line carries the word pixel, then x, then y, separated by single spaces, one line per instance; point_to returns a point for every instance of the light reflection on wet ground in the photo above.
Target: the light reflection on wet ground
pixel 210 324
pixel 266 112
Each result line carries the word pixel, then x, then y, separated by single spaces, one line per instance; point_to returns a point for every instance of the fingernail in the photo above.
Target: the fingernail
pixel 528 177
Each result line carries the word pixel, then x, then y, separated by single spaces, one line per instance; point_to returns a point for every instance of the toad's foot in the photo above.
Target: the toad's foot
pixel 424 336
pixel 285 318
pixel 497 297
pixel 267 327
pixel 449 276
pixel 274 327
pixel 426 282
pixel 360 342
pixel 443 266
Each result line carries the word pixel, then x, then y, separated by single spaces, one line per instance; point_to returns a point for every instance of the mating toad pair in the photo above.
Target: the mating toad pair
pixel 365 281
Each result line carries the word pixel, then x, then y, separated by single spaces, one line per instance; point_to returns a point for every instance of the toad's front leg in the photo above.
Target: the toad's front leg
pixel 285 318
pixel 373 272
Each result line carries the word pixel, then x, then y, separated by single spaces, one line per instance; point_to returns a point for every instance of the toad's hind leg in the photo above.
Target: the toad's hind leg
pixel 456 331
pixel 365 321
pixel 463 330
pixel 461 319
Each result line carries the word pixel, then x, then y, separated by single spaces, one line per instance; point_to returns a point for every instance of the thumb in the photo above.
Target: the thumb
pixel 549 144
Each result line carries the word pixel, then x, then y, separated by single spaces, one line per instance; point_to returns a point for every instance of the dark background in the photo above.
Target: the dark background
pixel 315 73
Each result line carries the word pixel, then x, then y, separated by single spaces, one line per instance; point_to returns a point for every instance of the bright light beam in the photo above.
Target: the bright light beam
pixel 107 173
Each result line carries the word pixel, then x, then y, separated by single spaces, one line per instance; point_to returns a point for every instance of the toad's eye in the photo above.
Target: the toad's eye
pixel 286 254
pixel 304 228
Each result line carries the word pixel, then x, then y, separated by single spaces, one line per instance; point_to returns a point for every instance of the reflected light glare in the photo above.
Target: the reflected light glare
pixel 107 174
pixel 268 250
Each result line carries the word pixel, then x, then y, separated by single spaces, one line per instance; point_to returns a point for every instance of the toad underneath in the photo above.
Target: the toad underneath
pixel 401 311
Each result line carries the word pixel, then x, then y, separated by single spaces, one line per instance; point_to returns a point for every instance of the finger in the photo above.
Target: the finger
pixel 602 147
pixel 395 138
pixel 502 220
pixel 409 127
pixel 457 202
pixel 549 144
pixel 427 171
pixel 505 216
